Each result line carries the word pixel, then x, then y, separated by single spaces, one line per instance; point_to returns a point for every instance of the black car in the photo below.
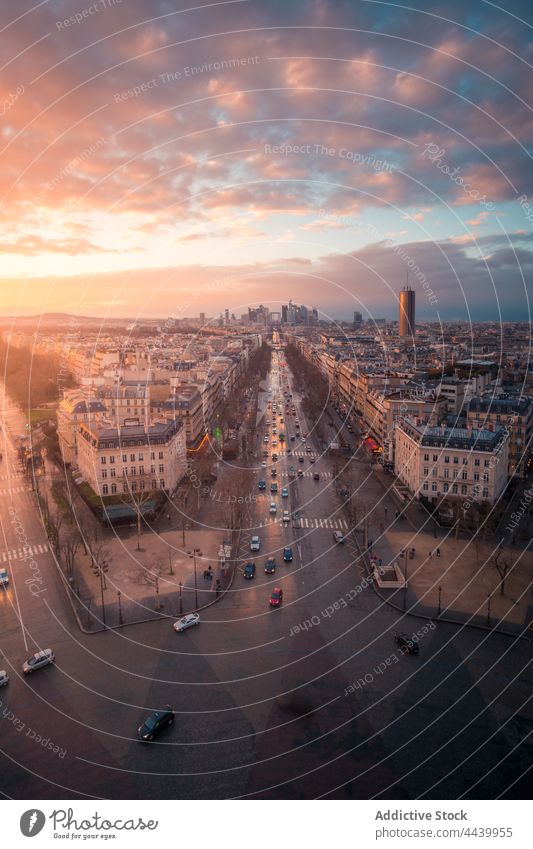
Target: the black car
pixel 270 566
pixel 156 721
pixel 249 570
pixel 406 643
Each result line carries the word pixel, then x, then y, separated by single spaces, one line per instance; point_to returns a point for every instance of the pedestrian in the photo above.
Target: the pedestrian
pixel 438 552
pixel 430 555
pixel 396 514
pixel 386 511
pixel 380 562
pixel 168 516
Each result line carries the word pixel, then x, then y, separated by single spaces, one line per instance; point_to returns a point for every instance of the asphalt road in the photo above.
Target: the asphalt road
pixel 313 699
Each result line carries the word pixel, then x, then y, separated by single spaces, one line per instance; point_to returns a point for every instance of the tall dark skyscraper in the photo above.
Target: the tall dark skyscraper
pixel 407 312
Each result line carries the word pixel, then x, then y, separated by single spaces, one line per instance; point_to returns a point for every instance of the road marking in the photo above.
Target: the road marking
pixel 21 554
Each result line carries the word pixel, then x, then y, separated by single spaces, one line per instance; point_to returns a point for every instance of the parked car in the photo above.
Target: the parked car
pixel 249 570
pixel 186 622
pixel 273 487
pixel 301 459
pixel 337 536
pixel 273 507
pixel 287 554
pixel 255 544
pixel 406 643
pixel 4 678
pixel 292 438
pixel 276 597
pixel 4 578
pixel 270 566
pixel 38 660
pixel 316 476
pixel 157 720
pixel 286 517
pixel 285 492
pixel 262 484
pixel 300 473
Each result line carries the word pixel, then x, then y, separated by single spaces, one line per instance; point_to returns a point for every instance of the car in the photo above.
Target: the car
pixel 262 484
pixel 305 434
pixel 255 543
pixel 265 438
pixel 274 458
pixel 300 473
pixel 273 473
pixel 285 492
pixel 186 622
pixel 286 516
pixel 301 459
pixel 406 643
pixel 276 597
pixel 4 678
pixel 263 464
pixel 273 507
pixel 157 720
pixel 270 566
pixel 287 554
pixel 312 460
pixel 337 536
pixel 292 438
pixel 4 578
pixel 308 449
pixel 316 476
pixel 38 660
pixel 249 570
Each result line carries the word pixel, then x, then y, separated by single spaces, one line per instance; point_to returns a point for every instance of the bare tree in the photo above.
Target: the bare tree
pixel 70 546
pixel 138 500
pixel 503 566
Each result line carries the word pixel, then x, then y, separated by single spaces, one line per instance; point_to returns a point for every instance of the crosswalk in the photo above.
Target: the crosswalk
pixel 10 477
pixel 15 489
pixel 309 474
pixel 331 524
pixel 23 554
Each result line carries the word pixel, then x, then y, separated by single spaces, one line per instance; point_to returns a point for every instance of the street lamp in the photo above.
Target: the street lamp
pixel 405 579
pixel 440 594
pixel 181 600
pixel 120 619
pixel 193 555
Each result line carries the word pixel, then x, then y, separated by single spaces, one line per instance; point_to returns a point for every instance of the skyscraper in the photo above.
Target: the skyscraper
pixel 407 312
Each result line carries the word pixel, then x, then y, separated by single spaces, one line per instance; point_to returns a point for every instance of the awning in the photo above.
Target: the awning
pixel 371 444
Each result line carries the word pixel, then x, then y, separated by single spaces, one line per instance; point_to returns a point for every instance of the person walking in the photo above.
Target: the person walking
pixel 438 552
pixel 430 555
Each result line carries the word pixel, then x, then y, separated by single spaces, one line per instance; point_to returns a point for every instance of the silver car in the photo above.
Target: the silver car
pixel 38 660
pixel 187 622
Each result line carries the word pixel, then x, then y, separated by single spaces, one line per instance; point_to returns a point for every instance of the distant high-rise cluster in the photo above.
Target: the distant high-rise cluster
pixel 298 314
pixel 407 312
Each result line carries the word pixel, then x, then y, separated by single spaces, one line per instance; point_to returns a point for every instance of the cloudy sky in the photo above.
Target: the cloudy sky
pixel 179 157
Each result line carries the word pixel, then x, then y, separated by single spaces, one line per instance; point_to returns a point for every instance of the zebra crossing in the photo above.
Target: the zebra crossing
pixel 309 474
pixel 23 554
pixel 328 524
pixel 15 489
pixel 10 477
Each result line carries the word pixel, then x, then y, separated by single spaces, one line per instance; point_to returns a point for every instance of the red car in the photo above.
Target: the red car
pixel 276 597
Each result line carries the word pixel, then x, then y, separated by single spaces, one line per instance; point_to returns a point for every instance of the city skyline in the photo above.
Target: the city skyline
pixel 145 163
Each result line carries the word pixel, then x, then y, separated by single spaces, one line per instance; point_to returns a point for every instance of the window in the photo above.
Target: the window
pixel 434 472
pixel 124 458
pixel 485 492
pixel 152 455
pixel 446 487
pixel 141 485
pixel 426 471
pixel 141 470
pixel 105 489
pixel 132 458
pixel 104 473
pixel 455 488
pixel 152 469
pixel 124 487
pixel 433 487
pixel 446 473
pixel 133 470
pixel 456 460
pixel 477 461
pixel 464 490
pixel 486 463
pixel 113 488
pixel 465 461
pixel 435 458
pixel 103 461
pixel 161 484
pixel 141 456
pixel 113 473
pixel 112 459
pixel 476 476
pixel 161 468
pixel 160 455
pixel 425 486
pixel 154 484
pixel 134 486
pixel 485 477
pixel 125 471
pixel 446 458
pixel 426 458
pixel 464 476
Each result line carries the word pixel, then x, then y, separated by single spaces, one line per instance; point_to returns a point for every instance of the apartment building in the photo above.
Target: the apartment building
pixel 76 409
pixel 516 415
pixel 132 458
pixel 451 463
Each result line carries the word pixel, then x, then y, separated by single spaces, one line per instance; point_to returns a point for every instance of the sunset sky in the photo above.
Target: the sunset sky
pixel 169 158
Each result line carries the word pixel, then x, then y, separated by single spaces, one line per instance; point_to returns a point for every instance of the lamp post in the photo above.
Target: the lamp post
pixel 489 597
pixel 120 619
pixel 193 555
pixel 405 580
pixel 440 593
pixel 181 599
